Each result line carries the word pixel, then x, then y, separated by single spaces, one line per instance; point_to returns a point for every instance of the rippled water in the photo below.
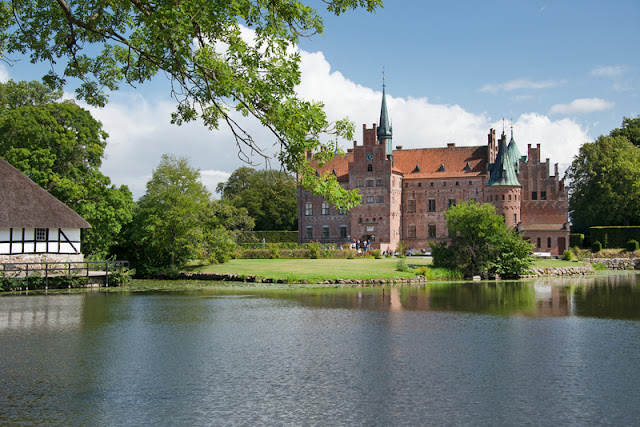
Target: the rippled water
pixel 543 353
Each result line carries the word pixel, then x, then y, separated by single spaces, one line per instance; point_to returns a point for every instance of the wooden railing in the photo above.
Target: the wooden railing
pixel 88 269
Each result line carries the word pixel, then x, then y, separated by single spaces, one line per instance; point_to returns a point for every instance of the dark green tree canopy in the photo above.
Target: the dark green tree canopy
pixel 23 94
pixel 630 129
pixel 481 243
pixel 268 196
pixel 604 181
pixel 60 147
pixel 213 69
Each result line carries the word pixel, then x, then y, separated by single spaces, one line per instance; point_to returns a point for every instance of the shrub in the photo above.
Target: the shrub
pixel 313 250
pixel 567 255
pixel 377 254
pixel 596 246
pixel 632 245
pixel 401 265
pixel 597 266
pixel 423 271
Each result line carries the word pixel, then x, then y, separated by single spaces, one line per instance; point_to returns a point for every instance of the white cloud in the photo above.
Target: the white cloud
pixel 517 85
pixel 140 132
pixel 608 71
pixel 582 106
pixel 559 140
pixel 4 74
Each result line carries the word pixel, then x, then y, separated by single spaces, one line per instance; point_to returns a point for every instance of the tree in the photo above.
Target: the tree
pixel 167 229
pixel 23 94
pixel 213 69
pixel 268 196
pixel 223 224
pixel 481 243
pixel 60 147
pixel 605 184
pixel 630 130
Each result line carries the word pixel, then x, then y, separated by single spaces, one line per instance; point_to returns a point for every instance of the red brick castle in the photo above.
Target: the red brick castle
pixel 406 193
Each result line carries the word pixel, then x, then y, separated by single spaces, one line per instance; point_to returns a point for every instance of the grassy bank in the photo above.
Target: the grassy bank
pixel 317 270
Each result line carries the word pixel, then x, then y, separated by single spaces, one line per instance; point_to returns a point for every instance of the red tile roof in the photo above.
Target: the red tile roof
pixel 425 163
pixel 428 162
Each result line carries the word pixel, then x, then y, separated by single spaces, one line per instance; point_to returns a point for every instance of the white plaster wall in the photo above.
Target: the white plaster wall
pixel 73 234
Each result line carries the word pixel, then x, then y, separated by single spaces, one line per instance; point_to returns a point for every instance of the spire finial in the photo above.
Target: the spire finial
pixel 511 127
pixel 383 77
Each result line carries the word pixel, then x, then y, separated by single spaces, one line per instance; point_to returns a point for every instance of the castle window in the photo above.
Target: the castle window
pixel 452 202
pixel 538 246
pixel 411 205
pixel 41 234
pixel 457 183
pixel 359 220
pixel 503 197
pixel 380 199
pixel 369 168
pixel 411 231
pixel 516 197
pixel 431 205
pixel 359 183
pixel 325 232
pixel 534 195
pixel 470 182
pixel 343 231
pixel 509 197
pixel 379 183
pixel 325 208
pixel 444 184
pixel 309 233
pixel 432 184
pixel 543 195
pixel 419 184
pixel 369 199
pixel 308 209
pixel 369 183
pixel 515 218
pixel 491 198
pixel 548 242
pixel 432 230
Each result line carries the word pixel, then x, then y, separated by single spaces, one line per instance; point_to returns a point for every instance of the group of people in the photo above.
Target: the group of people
pixel 360 246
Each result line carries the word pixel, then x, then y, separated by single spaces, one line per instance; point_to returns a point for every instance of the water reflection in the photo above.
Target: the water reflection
pixel 615 296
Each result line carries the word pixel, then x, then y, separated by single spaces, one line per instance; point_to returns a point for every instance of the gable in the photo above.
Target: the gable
pixel 24 204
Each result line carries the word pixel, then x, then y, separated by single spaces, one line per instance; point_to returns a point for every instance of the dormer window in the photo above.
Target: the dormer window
pixel 442 168
pixel 468 167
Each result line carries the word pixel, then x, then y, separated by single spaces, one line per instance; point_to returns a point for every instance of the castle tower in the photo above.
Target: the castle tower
pixel 385 131
pixel 503 189
pixel 514 153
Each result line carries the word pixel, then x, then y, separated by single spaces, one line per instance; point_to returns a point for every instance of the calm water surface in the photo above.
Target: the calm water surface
pixel 551 352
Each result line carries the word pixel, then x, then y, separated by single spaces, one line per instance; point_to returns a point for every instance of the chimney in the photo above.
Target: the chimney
pixel 398 147
pixel 451 144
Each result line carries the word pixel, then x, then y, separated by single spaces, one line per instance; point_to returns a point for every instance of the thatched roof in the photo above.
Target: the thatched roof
pixel 24 204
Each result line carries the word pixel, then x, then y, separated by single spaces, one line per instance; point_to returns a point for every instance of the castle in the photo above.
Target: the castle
pixel 406 193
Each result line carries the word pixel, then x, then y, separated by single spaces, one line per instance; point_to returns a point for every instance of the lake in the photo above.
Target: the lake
pixel 541 352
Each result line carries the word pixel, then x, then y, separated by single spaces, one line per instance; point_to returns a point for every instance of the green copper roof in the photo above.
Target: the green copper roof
pixel 384 129
pixel 503 172
pixel 514 153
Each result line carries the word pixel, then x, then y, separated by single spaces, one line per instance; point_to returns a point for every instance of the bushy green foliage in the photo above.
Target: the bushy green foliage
pixel 615 237
pixel 376 253
pixel 481 243
pixel 567 255
pixel 60 146
pixel 401 265
pixel 401 248
pixel 213 70
pixel 596 246
pixel 576 239
pixel 604 180
pixel 632 245
pixel 281 237
pixel 599 267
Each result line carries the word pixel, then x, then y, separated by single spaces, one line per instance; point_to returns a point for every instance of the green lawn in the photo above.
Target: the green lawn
pixel 314 270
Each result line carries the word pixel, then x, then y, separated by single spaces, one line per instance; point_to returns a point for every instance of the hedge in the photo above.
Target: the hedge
pixel 249 237
pixel 615 237
pixel 576 239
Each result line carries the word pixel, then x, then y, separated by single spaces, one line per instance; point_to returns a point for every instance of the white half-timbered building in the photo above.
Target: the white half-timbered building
pixel 34 225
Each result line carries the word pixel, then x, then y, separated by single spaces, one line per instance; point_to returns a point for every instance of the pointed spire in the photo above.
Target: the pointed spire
pixel 514 153
pixel 384 128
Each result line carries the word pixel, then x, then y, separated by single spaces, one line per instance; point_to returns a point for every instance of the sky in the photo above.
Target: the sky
pixel 560 72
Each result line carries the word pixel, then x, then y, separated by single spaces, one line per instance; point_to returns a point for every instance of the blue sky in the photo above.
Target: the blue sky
pixel 563 71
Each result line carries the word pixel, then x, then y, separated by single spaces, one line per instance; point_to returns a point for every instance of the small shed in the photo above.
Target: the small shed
pixel 34 225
